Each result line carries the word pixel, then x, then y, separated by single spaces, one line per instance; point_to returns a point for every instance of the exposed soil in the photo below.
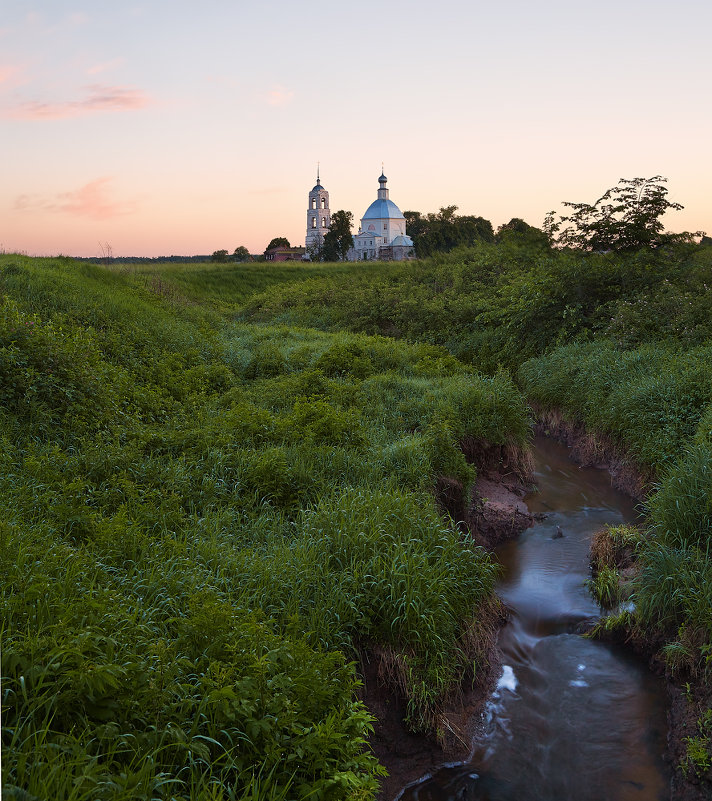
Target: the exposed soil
pixel 408 756
pixel 497 512
pixel 493 513
pixel 686 708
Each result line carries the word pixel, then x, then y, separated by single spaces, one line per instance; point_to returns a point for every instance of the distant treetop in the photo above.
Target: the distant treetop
pixel 626 217
pixel 278 242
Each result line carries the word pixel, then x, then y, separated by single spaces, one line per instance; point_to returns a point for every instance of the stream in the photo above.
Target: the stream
pixel 571 718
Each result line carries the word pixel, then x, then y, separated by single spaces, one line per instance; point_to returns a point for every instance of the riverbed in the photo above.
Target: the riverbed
pixel 571 718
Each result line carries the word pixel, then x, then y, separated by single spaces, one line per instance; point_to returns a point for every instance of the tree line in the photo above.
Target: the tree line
pixel 626 217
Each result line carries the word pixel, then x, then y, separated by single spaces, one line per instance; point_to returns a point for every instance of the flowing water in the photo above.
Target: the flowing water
pixel 571 719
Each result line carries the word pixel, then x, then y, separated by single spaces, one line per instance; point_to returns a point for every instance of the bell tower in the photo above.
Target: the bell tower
pixel 318 217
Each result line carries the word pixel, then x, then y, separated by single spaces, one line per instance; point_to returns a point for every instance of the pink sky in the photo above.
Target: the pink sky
pixel 167 128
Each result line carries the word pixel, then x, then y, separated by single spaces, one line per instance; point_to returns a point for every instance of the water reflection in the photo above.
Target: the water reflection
pixel 570 718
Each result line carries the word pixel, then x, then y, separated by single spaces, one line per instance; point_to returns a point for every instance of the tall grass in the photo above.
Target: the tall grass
pixel 650 400
pixel 205 522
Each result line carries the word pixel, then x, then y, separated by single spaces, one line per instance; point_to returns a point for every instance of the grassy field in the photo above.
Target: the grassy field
pixel 619 342
pixel 217 491
pixel 205 521
pixel 227 287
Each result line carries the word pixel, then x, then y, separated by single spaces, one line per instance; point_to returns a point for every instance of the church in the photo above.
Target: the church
pixel 381 235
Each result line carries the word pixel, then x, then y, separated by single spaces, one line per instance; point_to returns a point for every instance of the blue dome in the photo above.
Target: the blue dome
pixel 318 187
pixel 383 209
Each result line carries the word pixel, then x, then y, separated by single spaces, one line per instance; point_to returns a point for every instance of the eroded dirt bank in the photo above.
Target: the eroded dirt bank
pixel 493 513
pixel 408 756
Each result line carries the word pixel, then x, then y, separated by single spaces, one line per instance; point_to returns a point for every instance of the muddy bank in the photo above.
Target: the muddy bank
pixel 688 703
pixel 493 513
pixel 408 756
pixel 497 512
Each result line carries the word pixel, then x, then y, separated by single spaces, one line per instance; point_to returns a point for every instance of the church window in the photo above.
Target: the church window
pixel 313 202
pixel 323 203
pixel 323 222
pixel 313 222
pixel 385 226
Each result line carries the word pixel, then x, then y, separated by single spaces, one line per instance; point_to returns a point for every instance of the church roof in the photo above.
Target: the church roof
pixel 405 241
pixel 383 209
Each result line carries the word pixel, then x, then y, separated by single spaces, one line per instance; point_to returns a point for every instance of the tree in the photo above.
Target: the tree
pixel 626 217
pixel 241 253
pixel 315 250
pixel 219 255
pixel 441 232
pixel 278 242
pixel 338 239
pixel 518 232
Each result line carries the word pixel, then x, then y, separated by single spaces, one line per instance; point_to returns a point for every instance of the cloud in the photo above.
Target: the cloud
pixel 279 96
pixel 98 98
pixel 78 18
pixel 93 200
pixel 6 72
pixel 104 66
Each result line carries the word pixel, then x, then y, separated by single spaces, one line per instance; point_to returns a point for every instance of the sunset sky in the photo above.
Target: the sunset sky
pixel 172 127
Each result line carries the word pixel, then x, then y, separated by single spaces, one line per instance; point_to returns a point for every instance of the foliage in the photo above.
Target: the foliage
pixel 278 242
pixel 681 508
pixel 192 500
pixel 604 587
pixel 194 545
pixel 219 256
pixel 338 240
pixel 241 253
pixel 699 748
pixel 650 400
pixel 518 232
pixel 501 304
pixel 625 218
pixel 443 231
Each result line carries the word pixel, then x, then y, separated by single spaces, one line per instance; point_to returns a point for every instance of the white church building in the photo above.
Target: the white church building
pixel 381 235
pixel 318 217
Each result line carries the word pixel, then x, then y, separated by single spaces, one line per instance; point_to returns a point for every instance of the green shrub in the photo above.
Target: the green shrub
pixel 48 371
pixel 271 477
pixel 316 420
pixel 266 362
pixel 345 359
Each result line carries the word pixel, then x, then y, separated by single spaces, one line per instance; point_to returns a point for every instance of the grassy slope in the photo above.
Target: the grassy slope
pixel 620 343
pixel 202 521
